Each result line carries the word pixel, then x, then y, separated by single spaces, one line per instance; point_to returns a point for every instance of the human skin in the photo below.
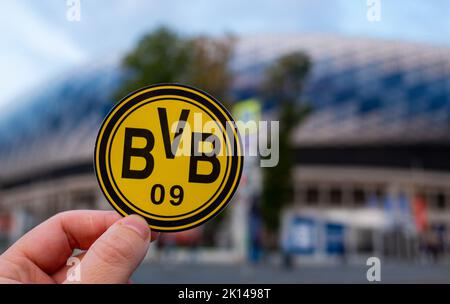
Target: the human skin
pixel 113 247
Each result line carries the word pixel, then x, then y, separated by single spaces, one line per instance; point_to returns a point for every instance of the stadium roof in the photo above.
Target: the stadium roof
pixel 362 91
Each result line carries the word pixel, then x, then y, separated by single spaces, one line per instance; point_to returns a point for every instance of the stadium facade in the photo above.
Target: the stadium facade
pixel 372 174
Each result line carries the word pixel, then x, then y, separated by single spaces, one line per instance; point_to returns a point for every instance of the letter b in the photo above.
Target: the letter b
pixel 129 151
pixel 194 176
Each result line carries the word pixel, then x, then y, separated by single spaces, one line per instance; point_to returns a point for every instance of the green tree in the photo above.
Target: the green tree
pixel 209 66
pixel 163 56
pixel 284 81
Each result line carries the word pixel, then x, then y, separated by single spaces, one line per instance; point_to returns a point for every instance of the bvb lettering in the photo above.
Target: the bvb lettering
pixel 170 146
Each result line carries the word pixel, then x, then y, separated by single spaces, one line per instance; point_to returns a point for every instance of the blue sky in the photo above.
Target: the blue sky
pixel 38 42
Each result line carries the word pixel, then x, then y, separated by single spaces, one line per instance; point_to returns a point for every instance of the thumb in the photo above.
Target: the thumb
pixel 117 253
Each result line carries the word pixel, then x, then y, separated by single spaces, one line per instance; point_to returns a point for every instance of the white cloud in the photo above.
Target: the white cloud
pixel 32 49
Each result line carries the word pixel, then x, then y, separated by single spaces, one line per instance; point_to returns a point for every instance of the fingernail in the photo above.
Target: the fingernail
pixel 138 224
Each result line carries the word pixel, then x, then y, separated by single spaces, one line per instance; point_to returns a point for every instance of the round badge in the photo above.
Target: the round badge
pixel 170 153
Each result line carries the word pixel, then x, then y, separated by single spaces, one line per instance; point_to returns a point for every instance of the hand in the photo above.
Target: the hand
pixel 115 248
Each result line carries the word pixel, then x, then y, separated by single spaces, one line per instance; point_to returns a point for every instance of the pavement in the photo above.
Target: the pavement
pixel 179 273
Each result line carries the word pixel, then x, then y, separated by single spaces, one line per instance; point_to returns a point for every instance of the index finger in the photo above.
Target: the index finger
pixel 51 243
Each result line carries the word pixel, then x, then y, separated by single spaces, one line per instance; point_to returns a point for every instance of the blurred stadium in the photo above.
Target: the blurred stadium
pixel 372 165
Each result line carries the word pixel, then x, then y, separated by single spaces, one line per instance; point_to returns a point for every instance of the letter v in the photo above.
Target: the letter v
pixel 169 146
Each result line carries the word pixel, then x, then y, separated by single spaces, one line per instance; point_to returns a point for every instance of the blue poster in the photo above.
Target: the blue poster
pixel 302 236
pixel 335 238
